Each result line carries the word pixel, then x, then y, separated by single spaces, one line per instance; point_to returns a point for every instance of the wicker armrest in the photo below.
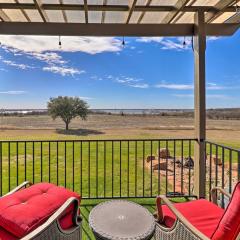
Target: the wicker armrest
pixel 179 216
pixel 55 218
pixel 214 192
pixel 22 185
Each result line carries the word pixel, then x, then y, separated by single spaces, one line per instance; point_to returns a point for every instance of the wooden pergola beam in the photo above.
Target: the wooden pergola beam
pixel 23 12
pixel 82 29
pixel 119 8
pixel 234 19
pixel 134 2
pixel 171 15
pixel 4 17
pixel 103 11
pixel 86 11
pixel 63 12
pixel 41 11
pixel 143 13
pixel 218 10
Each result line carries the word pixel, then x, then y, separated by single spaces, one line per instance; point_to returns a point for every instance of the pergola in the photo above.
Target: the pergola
pixel 197 18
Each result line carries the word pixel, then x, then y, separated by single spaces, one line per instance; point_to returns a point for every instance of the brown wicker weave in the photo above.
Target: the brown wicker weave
pixel 182 229
pixel 51 229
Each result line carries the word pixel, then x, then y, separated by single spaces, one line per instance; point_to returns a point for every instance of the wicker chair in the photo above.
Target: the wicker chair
pixel 182 228
pixel 51 229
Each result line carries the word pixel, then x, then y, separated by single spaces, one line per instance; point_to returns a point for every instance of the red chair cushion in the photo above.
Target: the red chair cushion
pixel 229 225
pixel 25 210
pixel 202 214
pixel 4 235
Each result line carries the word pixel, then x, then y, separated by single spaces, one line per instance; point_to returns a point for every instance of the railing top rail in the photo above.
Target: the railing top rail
pixel 223 146
pixel 101 140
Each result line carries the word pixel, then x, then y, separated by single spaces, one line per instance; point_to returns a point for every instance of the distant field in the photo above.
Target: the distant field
pixel 117 127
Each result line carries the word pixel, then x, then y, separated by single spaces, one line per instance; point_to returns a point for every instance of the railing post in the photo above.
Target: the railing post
pixel 199 45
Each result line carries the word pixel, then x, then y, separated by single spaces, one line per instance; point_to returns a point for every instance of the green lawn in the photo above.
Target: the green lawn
pixel 93 169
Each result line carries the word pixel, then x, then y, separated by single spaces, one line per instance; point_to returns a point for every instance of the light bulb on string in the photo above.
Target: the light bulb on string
pixel 59 42
pixel 184 42
pixel 123 42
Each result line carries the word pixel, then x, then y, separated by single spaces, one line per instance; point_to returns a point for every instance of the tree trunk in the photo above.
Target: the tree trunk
pixel 67 123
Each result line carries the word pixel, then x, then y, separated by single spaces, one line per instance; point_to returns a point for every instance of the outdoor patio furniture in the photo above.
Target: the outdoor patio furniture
pixel 41 211
pixel 120 219
pixel 199 219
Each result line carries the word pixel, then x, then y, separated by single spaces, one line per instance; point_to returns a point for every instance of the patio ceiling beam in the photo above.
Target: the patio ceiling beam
pixel 86 11
pixel 41 11
pixel 104 7
pixel 82 29
pixel 143 13
pixel 63 12
pixel 23 12
pixel 234 19
pixel 218 10
pixel 171 15
pixel 133 5
pixel 103 11
pixel 4 17
pixel 178 17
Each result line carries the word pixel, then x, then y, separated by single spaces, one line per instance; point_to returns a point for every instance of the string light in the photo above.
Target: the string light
pixel 123 42
pixel 184 42
pixel 59 42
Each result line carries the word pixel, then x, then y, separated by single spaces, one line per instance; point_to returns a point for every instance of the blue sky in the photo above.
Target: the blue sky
pixel 146 73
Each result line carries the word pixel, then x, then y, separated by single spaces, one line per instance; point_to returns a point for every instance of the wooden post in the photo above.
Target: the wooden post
pixel 199 45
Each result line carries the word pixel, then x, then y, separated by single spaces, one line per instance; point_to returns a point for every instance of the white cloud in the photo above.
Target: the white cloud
pixel 13 92
pixel 175 86
pixel 95 77
pixel 213 38
pixel 41 44
pixel 46 49
pixel 86 98
pixel 17 65
pixel 64 71
pixel 218 96
pixel 129 81
pixel 183 95
pixel 150 39
pixel 214 86
pixel 210 86
pixel 173 43
pixel 168 43
pixel 140 85
pixel 49 57
pixel 209 96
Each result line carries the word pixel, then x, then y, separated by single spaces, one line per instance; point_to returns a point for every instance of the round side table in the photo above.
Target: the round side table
pixel 120 219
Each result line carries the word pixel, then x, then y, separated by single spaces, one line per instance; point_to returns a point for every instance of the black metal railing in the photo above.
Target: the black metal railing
pixel 99 169
pixel 222 167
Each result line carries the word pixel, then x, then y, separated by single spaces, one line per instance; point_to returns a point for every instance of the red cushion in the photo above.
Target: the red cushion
pixel 23 211
pixel 202 214
pixel 229 225
pixel 4 235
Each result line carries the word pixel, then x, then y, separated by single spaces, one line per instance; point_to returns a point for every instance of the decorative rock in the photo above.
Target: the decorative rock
pixel 189 162
pixel 217 160
pixel 150 158
pixel 160 166
pixel 163 153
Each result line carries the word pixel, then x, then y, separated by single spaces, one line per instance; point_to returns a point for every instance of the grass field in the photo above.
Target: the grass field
pixel 117 127
pixel 99 169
